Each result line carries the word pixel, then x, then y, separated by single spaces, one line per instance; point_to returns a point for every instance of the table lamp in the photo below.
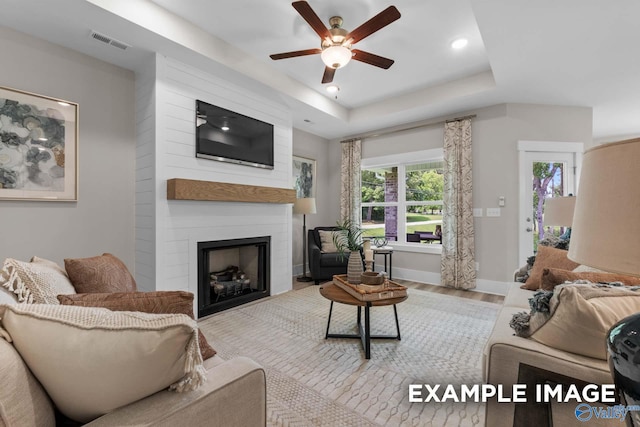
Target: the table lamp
pixel 304 206
pixel 606 235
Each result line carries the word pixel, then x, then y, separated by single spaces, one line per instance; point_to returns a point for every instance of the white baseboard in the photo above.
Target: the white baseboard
pixel 297 270
pixel 492 287
pixel 429 277
pixel 482 285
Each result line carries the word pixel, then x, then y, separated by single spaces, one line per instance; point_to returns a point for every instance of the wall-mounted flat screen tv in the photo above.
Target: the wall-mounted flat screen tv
pixel 227 136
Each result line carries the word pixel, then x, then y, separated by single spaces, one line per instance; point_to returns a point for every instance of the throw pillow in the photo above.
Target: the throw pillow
pixel 34 282
pixel 52 264
pixel 547 257
pixel 576 317
pixel 326 241
pixel 160 302
pixel 551 277
pixel 93 360
pixel 105 273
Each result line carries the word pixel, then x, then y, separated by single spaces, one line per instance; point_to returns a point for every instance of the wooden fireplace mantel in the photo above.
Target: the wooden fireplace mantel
pixel 189 189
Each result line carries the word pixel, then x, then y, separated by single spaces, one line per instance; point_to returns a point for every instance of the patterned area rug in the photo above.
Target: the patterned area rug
pixel 316 382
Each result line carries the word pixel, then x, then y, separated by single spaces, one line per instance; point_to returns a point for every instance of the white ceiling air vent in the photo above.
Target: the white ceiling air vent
pixel 109 40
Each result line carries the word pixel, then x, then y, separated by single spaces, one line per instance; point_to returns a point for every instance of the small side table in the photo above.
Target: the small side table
pixel 334 294
pixel 386 251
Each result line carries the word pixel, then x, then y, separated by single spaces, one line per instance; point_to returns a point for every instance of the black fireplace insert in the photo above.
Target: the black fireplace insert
pixel 232 272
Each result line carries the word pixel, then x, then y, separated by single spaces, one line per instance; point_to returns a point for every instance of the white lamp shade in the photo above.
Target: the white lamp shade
pixel 559 211
pixel 606 223
pixel 336 56
pixel 306 205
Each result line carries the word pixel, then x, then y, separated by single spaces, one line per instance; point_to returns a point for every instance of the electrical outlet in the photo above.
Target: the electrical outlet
pixel 493 211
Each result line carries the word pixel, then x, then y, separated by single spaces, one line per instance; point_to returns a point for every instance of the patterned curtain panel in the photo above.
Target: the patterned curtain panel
pixel 350 175
pixel 458 243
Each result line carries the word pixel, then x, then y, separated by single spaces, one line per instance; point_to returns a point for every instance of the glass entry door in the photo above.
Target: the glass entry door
pixel 543 175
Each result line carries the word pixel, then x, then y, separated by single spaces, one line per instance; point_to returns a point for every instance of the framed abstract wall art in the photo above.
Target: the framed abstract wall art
pixel 38 147
pixel 304 177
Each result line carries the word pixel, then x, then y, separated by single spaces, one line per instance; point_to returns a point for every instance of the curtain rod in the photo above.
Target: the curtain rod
pixel 377 134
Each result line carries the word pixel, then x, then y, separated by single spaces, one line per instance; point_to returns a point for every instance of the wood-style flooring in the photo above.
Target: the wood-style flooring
pixel 479 296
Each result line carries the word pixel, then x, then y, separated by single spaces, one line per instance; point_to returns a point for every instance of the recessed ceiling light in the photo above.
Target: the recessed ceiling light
pixel 333 88
pixel 459 43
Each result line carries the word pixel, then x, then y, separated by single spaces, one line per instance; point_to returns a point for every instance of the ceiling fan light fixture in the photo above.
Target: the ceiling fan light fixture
pixel 333 88
pixel 336 56
pixel 459 43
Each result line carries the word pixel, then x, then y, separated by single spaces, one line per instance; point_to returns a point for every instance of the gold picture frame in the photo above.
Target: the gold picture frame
pixel 38 147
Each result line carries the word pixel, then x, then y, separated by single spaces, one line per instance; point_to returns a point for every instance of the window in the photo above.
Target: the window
pixel 403 201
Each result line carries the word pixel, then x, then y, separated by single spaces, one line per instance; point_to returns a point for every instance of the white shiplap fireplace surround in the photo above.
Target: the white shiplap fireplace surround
pixel 168 231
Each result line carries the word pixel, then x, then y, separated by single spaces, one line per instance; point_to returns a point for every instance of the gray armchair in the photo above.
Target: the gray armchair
pixel 324 265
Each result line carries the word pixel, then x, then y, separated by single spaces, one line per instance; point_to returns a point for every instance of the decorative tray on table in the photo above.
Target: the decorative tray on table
pixel 369 293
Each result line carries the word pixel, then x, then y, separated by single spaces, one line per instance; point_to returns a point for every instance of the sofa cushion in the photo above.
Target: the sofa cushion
pixel 551 277
pixel 579 316
pixel 161 302
pixel 7 297
pixel 105 273
pixel 93 360
pixel 23 401
pixel 35 282
pixel 517 297
pixel 547 257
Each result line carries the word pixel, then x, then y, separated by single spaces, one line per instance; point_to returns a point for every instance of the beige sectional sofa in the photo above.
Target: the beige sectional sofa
pixel 509 359
pixel 234 394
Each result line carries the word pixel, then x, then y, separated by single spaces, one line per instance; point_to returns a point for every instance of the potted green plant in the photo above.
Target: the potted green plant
pixel 348 238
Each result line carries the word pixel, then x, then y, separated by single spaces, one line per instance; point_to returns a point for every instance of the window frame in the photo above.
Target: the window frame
pixel 400 161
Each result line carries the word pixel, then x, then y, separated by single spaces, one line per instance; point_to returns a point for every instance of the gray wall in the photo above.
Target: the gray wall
pixel 496 131
pixel 102 219
pixel 314 147
pixel 496 172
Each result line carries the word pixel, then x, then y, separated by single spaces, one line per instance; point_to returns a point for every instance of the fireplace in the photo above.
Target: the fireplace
pixel 232 272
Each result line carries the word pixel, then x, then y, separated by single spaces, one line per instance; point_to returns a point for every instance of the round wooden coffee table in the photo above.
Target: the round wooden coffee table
pixel 335 294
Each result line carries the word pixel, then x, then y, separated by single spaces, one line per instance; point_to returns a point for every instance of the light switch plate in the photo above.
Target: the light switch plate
pixel 477 212
pixel 493 211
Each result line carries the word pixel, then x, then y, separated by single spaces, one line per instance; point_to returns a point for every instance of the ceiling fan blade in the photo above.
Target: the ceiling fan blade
pixel 295 53
pixel 312 18
pixel 379 21
pixel 329 72
pixel 372 59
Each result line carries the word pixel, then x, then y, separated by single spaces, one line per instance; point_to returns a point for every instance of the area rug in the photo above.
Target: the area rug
pixel 316 382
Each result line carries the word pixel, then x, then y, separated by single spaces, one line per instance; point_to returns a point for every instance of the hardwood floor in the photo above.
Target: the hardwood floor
pixel 479 296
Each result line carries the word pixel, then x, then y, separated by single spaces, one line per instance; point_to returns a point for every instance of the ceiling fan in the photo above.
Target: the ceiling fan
pixel 337 43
